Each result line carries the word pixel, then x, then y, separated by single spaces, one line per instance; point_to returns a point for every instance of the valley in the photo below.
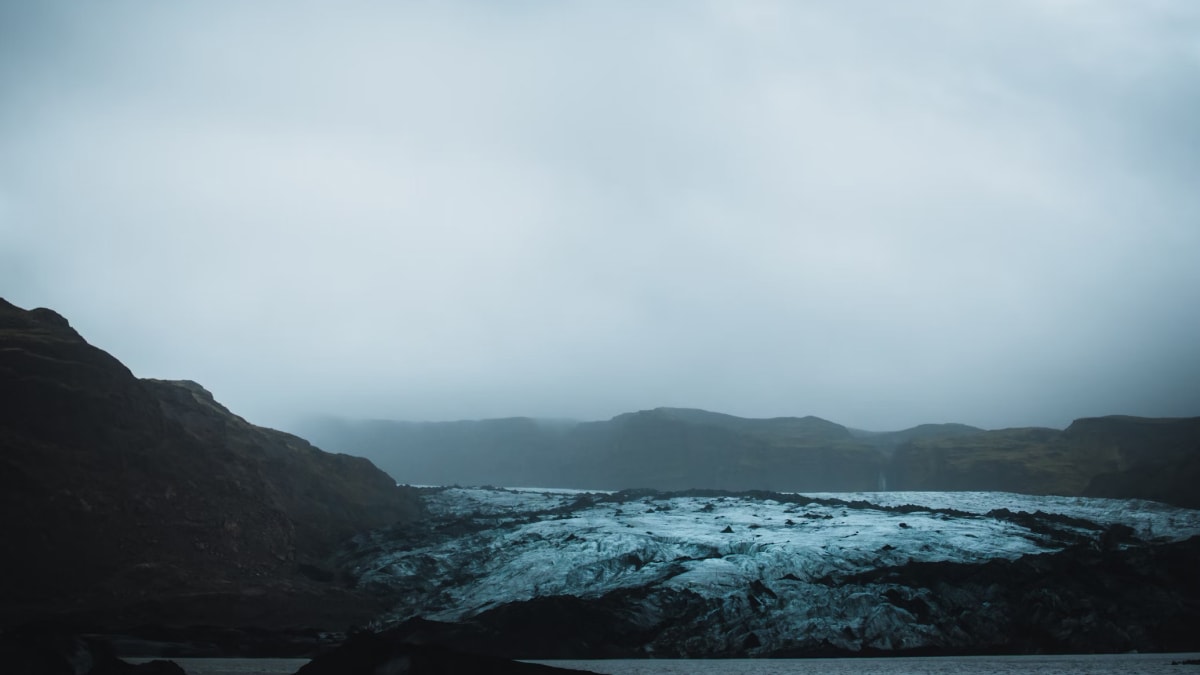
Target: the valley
pixel 146 512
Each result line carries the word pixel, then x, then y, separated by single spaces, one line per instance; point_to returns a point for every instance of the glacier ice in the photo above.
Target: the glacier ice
pixel 765 560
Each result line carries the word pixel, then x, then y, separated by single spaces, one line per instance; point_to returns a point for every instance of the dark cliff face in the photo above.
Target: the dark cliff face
pixel 126 499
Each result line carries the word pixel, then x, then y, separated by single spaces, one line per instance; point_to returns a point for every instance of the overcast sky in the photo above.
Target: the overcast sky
pixel 881 213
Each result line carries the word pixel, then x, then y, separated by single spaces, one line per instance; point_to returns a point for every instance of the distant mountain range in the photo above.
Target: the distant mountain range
pixel 679 449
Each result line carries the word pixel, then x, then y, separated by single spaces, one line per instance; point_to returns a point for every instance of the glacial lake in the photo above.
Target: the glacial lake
pixel 1086 664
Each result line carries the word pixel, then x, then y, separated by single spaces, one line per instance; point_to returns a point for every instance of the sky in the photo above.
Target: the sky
pixel 878 213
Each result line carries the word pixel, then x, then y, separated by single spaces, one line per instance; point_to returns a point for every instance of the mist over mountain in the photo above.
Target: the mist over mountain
pixel 676 449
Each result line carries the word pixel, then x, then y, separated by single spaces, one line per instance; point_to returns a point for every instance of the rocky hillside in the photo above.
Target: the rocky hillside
pixel 128 500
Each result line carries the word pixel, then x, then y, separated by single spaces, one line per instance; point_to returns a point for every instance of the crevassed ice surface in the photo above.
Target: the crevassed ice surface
pixel 526 543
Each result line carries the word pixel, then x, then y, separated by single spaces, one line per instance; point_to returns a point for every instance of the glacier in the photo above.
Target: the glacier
pixel 709 573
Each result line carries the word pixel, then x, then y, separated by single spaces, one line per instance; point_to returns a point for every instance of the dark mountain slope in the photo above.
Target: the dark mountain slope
pixel 141 500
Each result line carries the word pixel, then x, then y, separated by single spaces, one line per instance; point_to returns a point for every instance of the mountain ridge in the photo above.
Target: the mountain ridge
pixel 681 448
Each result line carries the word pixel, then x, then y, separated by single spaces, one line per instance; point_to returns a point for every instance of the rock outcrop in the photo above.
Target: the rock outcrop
pixel 128 500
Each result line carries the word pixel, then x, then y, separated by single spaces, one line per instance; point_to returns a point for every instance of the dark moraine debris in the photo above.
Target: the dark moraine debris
pixel 369 653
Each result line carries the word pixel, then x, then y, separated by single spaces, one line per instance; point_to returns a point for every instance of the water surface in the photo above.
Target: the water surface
pixel 1086 664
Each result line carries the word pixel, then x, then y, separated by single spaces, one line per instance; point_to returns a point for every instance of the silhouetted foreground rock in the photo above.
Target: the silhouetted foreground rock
pixel 46 650
pixel 391 652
